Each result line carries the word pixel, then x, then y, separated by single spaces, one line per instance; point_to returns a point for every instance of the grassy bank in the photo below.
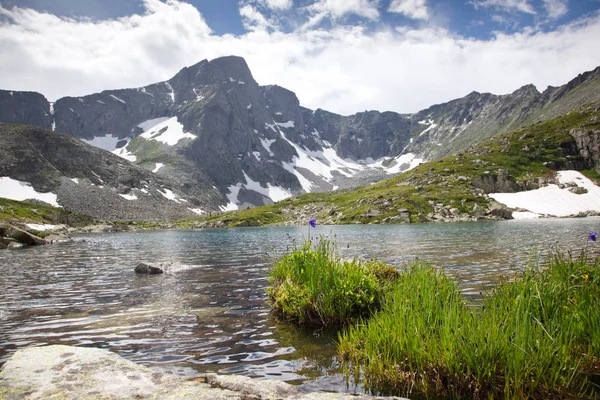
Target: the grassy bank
pixel 24 212
pixel 312 286
pixel 535 337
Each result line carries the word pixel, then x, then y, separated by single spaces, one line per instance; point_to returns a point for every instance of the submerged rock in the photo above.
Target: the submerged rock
pixel 66 372
pixel 143 268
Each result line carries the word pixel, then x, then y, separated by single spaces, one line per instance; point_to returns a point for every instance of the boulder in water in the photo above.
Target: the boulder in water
pixel 143 268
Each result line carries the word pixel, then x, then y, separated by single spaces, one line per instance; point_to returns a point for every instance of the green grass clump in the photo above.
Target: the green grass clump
pixel 313 287
pixel 535 337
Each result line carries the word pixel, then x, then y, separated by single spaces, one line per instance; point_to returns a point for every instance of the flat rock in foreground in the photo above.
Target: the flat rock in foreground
pixel 65 372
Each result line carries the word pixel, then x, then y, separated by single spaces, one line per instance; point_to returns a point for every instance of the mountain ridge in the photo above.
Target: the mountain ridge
pixel 246 144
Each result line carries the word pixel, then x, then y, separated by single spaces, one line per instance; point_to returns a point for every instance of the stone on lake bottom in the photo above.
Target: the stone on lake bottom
pixel 70 373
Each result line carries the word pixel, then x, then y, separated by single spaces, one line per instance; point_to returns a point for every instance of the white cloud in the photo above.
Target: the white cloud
pixel 340 8
pixel 278 4
pixel 344 69
pixel 507 5
pixel 416 9
pixel 253 19
pixel 556 8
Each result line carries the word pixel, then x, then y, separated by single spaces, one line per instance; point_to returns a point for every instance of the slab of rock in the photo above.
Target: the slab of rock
pixel 143 268
pixel 70 373
pixel 23 237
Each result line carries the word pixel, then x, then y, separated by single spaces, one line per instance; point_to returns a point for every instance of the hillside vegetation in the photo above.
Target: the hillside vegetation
pixel 451 188
pixel 23 212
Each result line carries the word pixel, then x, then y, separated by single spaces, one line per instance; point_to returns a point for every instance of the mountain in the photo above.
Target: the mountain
pixel 59 169
pixel 463 187
pixel 227 142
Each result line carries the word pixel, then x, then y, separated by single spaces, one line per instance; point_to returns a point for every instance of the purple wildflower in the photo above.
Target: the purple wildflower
pixel 312 222
pixel 593 236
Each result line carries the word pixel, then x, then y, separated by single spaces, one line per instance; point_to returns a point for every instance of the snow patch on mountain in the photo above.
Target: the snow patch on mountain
pixel 322 163
pixel 287 125
pixel 267 145
pixel 129 197
pixel 18 190
pixel 106 142
pixel 169 132
pixel 431 123
pixel 171 92
pixel 402 163
pixel 275 193
pixel 232 196
pixel 554 200
pixel 124 153
pixel 45 227
pixel 151 123
pixel 157 167
pixel 117 99
pixel 168 194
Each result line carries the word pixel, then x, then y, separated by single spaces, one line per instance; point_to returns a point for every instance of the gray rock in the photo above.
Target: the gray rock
pixel 14 245
pixel 2 246
pixel 500 211
pixel 373 213
pixel 143 268
pixel 76 373
pixel 23 237
pixel 578 190
pixel 588 143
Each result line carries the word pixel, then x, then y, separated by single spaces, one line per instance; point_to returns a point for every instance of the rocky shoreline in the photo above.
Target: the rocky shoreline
pixel 18 235
pixel 67 372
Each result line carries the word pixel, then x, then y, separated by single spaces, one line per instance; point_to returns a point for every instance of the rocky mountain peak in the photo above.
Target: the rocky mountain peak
pixel 227 142
pixel 527 90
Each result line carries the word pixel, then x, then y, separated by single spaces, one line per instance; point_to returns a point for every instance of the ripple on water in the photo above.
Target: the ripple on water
pixel 209 311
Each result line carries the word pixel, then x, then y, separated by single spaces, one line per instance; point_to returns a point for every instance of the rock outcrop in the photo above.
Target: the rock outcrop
pixel 588 143
pixel 13 237
pixel 65 372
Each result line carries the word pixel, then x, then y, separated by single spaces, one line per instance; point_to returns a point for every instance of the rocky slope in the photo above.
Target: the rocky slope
pixel 61 170
pixel 460 187
pixel 212 129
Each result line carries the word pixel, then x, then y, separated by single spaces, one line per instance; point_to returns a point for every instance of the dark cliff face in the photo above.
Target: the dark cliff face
pixel 25 107
pixel 248 139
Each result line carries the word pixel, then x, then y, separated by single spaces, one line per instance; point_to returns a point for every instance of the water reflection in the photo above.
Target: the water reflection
pixel 208 312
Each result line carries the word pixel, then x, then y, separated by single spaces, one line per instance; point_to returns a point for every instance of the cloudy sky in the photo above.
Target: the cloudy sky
pixel 344 56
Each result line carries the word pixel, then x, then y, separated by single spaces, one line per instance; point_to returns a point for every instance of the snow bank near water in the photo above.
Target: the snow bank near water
pixel 17 190
pixel 552 200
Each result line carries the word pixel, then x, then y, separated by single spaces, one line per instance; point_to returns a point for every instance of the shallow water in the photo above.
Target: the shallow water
pixel 208 312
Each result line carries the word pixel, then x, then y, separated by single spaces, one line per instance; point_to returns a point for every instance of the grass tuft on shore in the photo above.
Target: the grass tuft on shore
pixel 313 287
pixel 537 336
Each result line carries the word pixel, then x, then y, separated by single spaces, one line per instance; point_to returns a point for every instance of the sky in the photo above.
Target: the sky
pixel 343 56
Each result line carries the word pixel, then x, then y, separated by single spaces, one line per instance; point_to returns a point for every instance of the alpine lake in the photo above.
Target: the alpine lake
pixel 209 312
